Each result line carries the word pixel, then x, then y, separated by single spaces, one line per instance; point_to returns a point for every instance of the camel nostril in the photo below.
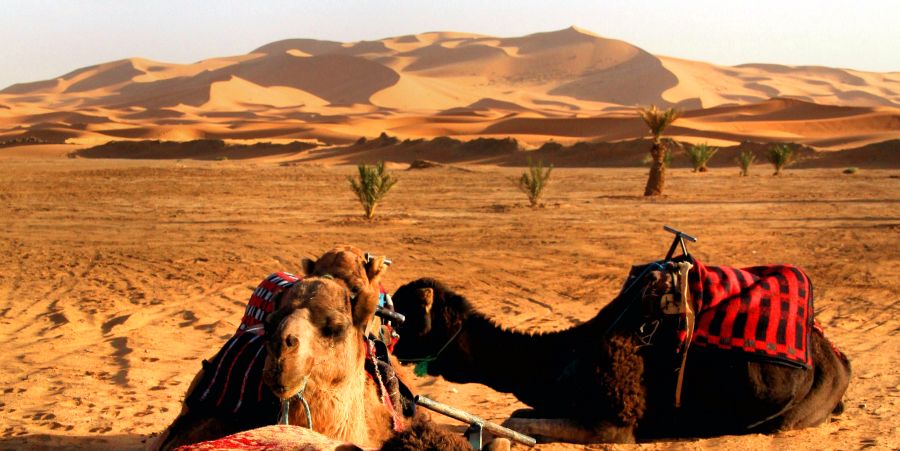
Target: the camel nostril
pixel 290 341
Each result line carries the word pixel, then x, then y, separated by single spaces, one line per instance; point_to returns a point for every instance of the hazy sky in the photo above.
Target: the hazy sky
pixel 46 38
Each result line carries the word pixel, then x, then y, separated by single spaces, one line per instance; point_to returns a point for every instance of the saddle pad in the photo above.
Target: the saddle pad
pixel 274 438
pixel 766 311
pixel 262 301
pixel 232 380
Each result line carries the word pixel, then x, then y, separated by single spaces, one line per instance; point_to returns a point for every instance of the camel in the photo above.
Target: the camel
pixel 348 270
pixel 597 383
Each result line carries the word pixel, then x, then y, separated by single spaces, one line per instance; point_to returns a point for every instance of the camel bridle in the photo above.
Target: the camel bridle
pixel 284 417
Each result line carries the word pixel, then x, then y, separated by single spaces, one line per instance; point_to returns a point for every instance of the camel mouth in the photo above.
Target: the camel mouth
pixel 282 392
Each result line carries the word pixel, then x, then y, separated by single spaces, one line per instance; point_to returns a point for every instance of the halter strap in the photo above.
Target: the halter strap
pixel 284 417
pixel 434 357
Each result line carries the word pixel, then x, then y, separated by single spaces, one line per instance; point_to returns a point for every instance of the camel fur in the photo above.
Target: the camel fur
pixel 597 383
pixel 348 264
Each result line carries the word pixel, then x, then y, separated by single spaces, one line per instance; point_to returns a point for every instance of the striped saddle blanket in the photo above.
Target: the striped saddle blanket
pixel 232 381
pixel 766 311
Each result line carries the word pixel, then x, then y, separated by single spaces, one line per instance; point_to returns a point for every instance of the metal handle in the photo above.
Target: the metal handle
pixel 466 417
pixel 679 239
pixel 390 315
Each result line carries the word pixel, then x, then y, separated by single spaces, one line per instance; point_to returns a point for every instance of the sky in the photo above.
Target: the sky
pixel 44 39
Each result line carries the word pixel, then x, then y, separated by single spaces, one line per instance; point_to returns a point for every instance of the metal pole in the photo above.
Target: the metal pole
pixel 466 417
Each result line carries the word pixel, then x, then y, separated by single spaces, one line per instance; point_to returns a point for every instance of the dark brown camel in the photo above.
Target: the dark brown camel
pixel 586 385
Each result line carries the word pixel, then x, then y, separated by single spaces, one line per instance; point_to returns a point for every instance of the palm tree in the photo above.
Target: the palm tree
pixel 745 159
pixel 657 120
pixel 371 186
pixel 700 154
pixel 781 155
pixel 534 181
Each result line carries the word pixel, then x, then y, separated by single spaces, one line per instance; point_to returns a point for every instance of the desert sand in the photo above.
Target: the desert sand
pixel 567 85
pixel 121 275
pixel 127 264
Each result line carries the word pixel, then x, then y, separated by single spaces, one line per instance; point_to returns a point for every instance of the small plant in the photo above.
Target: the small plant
pixel 700 154
pixel 371 186
pixel 851 170
pixel 222 158
pixel 781 155
pixel 745 159
pixel 534 181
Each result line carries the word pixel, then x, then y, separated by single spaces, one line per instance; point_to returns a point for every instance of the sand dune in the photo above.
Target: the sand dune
pixel 568 84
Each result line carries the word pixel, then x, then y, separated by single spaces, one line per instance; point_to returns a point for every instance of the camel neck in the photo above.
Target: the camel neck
pixel 338 407
pixel 506 360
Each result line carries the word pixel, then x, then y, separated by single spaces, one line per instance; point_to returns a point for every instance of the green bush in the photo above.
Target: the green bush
pixel 371 186
pixel 781 155
pixel 700 154
pixel 534 181
pixel 745 159
pixel 851 170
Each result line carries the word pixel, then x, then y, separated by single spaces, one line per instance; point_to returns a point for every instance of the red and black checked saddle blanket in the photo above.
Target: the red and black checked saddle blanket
pixel 766 311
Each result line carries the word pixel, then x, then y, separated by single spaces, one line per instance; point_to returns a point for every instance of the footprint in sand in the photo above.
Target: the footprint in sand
pixel 868 443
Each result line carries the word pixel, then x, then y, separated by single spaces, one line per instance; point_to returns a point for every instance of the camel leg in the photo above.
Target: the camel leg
pixel 832 376
pixel 570 431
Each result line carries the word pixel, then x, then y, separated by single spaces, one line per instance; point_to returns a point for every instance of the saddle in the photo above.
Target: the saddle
pixel 764 312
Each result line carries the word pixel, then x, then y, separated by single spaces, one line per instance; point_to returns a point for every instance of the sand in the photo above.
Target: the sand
pixel 569 84
pixel 120 275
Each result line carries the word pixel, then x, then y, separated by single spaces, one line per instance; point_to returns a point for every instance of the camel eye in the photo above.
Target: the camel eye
pixel 333 329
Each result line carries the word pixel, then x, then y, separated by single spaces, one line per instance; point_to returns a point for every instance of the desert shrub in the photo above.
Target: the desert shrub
pixel 370 187
pixel 700 154
pixel 490 145
pixel 551 146
pixel 534 181
pixel 851 170
pixel 781 155
pixel 745 159
pixel 222 158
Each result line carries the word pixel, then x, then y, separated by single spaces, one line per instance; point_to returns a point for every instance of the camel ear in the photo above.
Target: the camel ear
pixel 427 297
pixel 376 266
pixel 307 266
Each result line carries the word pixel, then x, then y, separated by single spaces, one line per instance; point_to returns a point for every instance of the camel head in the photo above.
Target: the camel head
pixel 420 301
pixel 360 271
pixel 313 334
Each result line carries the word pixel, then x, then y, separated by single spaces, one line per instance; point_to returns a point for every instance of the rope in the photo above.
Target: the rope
pixel 284 417
pixel 437 354
pixel 625 290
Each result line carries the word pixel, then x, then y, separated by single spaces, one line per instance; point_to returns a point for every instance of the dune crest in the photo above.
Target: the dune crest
pixel 565 84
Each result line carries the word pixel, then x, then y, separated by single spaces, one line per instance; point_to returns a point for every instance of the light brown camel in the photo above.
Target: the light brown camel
pixel 202 419
pixel 598 382
pixel 317 347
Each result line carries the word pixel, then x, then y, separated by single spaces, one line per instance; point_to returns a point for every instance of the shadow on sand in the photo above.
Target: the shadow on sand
pixel 74 442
